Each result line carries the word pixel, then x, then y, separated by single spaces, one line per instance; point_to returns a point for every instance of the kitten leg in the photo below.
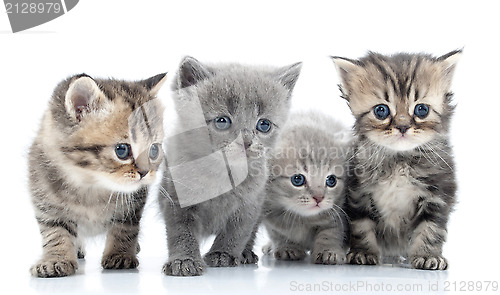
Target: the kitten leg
pixel 183 247
pixel 364 246
pixel 232 240
pixel 59 251
pixel 120 251
pixel 426 246
pixel 329 247
pixel 284 248
pixel 248 256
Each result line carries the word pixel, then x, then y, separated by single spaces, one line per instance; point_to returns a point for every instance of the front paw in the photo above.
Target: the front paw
pixel 363 258
pixel 328 257
pixel 221 259
pixel 54 268
pixel 249 257
pixel 289 254
pixel 119 261
pixel 429 262
pixel 184 267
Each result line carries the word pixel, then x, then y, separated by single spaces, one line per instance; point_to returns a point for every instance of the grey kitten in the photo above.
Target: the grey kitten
pixel 305 192
pixel 402 185
pixel 98 149
pixel 228 116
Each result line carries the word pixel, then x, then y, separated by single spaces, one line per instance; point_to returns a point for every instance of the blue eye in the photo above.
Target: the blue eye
pixel 264 125
pixel 154 151
pixel 222 122
pixel 123 151
pixel 298 180
pixel 421 110
pixel 381 111
pixel 331 180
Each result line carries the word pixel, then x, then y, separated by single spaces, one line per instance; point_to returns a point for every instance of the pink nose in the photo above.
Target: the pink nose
pixel 318 198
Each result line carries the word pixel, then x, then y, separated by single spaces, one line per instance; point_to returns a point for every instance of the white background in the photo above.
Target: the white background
pixel 138 39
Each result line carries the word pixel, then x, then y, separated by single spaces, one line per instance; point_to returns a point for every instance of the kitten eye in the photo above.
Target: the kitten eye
pixel 298 180
pixel 381 111
pixel 154 151
pixel 421 110
pixel 123 151
pixel 222 122
pixel 331 180
pixel 264 125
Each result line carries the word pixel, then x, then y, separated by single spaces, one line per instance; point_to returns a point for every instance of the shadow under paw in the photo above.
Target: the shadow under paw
pixel 119 261
pixel 184 267
pixel 289 254
pixel 328 257
pixel 54 268
pixel 429 262
pixel 221 259
pixel 249 257
pixel 362 258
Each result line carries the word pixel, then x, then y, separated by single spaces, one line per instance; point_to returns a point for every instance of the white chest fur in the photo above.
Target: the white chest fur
pixel 395 198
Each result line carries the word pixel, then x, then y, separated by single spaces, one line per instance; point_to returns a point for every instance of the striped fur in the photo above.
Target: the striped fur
pixel 402 180
pixel 79 187
pixel 314 145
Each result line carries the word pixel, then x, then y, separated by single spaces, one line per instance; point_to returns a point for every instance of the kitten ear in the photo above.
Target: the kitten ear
pixel 345 67
pixel 83 97
pixel 154 83
pixel 449 61
pixel 289 75
pixel 191 71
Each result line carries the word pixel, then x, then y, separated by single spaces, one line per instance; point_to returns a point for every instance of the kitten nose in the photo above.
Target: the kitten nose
pixel 142 173
pixel 403 128
pixel 318 198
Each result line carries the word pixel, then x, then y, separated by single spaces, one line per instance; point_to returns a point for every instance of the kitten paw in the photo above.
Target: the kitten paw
pixel 184 268
pixel 362 258
pixel 221 259
pixel 119 261
pixel 329 257
pixel 54 268
pixel 289 254
pixel 249 257
pixel 429 262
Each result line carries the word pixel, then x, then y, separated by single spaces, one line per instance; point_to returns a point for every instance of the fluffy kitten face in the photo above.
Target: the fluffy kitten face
pixel 307 171
pixel 402 101
pixel 236 101
pixel 108 134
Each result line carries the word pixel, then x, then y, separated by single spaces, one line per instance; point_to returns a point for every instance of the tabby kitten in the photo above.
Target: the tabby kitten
pixel 98 148
pixel 305 192
pixel 402 185
pixel 228 116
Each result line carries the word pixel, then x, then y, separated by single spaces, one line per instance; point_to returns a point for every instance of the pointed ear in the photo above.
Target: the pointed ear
pixel 83 97
pixel 289 75
pixel 345 66
pixel 449 61
pixel 154 84
pixel 191 71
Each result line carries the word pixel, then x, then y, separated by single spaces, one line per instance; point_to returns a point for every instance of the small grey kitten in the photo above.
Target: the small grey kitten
pixel 402 185
pixel 305 192
pixel 228 116
pixel 98 149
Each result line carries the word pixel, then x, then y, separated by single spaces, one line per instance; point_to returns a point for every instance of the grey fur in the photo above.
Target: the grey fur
pixel 402 183
pixel 245 94
pixel 316 146
pixel 78 188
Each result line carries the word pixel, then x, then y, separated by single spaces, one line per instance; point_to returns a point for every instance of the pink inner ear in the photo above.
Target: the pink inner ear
pixel 80 105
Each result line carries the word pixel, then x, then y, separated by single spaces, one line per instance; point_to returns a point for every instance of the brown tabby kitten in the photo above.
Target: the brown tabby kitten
pixel 402 182
pixel 98 148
